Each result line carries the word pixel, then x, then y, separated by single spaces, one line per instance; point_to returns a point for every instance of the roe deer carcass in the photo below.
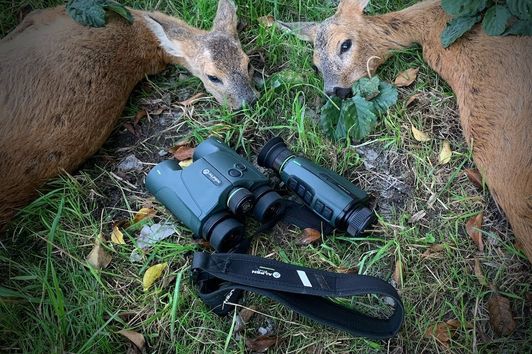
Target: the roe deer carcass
pixel 64 85
pixel 490 76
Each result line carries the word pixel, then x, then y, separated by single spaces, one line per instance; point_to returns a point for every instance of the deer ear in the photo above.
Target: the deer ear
pixel 160 25
pixel 352 7
pixel 303 30
pixel 226 19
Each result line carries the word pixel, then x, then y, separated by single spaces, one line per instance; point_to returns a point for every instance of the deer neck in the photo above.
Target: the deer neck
pixel 417 24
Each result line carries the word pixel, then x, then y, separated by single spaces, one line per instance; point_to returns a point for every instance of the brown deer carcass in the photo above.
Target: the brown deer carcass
pixel 64 85
pixel 490 76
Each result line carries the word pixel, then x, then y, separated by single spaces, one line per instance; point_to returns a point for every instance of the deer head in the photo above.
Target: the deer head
pixel 215 56
pixel 344 47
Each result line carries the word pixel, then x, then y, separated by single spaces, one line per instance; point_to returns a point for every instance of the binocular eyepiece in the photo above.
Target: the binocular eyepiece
pixel 328 194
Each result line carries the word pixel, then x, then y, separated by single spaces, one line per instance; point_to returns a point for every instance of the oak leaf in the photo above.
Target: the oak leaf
pixel 407 77
pixel 473 227
pixel 500 314
pixel 309 236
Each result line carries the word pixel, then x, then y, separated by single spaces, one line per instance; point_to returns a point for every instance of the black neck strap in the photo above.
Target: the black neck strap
pixel 221 278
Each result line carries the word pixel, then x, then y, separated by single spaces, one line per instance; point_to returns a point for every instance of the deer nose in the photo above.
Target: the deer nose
pixel 342 92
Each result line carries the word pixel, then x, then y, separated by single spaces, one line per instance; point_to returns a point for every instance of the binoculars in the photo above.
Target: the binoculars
pixel 213 194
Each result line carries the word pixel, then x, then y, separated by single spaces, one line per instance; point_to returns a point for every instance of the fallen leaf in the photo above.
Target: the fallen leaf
pixel 140 114
pixel 413 98
pixel 309 236
pixel 419 135
pixel 131 129
pixel 261 344
pixel 500 314
pixel 190 101
pixel 150 235
pixel 442 332
pixel 135 337
pixel 474 176
pixel 117 236
pixel 98 257
pixel 152 274
pixel 266 21
pixel 185 163
pixel 142 214
pixel 437 248
pixel 454 323
pixel 407 77
pixel 478 273
pixel 398 273
pixel 417 216
pixel 246 314
pixel 445 153
pixel 473 227
pixel 183 153
pixel 344 270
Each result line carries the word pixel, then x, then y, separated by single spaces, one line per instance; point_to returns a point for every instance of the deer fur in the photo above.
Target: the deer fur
pixel 490 76
pixel 64 85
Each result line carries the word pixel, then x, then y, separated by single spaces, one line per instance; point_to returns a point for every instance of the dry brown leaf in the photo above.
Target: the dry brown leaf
pixel 142 214
pixel 445 152
pixel 117 236
pixel 309 236
pixel 246 314
pixel 442 332
pixel 473 227
pixel 398 273
pixel 140 114
pixel 130 129
pixel 135 337
pixel 454 323
pixel 185 163
pixel 98 257
pixel 266 21
pixel 474 176
pixel 412 98
pixel 261 344
pixel 437 248
pixel 183 152
pixel 478 273
pixel 419 135
pixel 190 101
pixel 344 270
pixel 152 274
pixel 500 314
pixel 406 78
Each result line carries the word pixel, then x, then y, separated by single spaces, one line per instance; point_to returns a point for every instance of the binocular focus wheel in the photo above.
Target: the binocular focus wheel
pixel 268 207
pixel 226 234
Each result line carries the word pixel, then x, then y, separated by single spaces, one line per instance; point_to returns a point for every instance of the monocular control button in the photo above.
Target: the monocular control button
pixel 308 197
pixel 240 166
pixel 327 213
pixel 301 191
pixel 318 206
pixel 292 184
pixel 235 173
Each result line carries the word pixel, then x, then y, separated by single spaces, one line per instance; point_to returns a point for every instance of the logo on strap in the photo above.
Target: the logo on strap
pixel 270 272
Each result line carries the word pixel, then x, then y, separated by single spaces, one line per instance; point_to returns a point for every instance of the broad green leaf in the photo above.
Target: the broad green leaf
pixel 456 28
pixel 119 9
pixel 346 120
pixel 521 27
pixel 87 12
pixel 495 20
pixel 330 115
pixel 286 77
pixel 367 88
pixel 520 8
pixel 364 121
pixel 386 99
pixel 459 8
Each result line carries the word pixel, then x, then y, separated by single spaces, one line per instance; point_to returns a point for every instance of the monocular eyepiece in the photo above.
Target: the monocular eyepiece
pixel 274 154
pixel 358 220
pixel 240 201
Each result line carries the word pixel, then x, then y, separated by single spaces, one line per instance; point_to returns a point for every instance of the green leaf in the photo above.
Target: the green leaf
pixel 521 28
pixel 87 12
pixel 520 8
pixel 386 98
pixel 495 20
pixel 330 115
pixel 346 121
pixel 119 9
pixel 460 8
pixel 456 28
pixel 364 121
pixel 367 88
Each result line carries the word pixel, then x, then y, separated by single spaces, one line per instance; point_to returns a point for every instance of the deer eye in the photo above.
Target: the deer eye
pixel 345 46
pixel 214 79
pixel 316 70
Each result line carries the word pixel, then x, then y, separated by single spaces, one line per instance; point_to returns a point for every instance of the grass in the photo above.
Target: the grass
pixel 51 300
